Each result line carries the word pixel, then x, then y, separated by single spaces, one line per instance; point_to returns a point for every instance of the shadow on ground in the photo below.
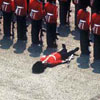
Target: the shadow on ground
pixel 96 66
pixel 83 61
pixel 6 43
pixel 35 50
pixel 63 31
pixel 19 47
pixel 76 34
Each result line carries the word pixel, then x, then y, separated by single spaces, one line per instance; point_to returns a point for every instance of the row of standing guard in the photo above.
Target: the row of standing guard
pixel 89 24
pixel 39 11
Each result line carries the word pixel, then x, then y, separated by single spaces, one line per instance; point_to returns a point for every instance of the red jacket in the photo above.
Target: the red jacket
pixel 51 13
pixel 21 7
pixel 75 1
pixel 1 3
pixel 8 5
pixel 36 11
pixel 95 23
pixel 53 59
pixel 83 19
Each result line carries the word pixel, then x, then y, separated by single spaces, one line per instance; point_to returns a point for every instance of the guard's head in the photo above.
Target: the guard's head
pixel 84 4
pixel 38 67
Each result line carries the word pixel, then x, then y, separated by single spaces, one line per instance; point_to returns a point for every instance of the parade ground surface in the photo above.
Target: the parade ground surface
pixel 78 80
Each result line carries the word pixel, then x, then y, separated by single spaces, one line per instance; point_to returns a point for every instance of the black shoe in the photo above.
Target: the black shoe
pixel 6 37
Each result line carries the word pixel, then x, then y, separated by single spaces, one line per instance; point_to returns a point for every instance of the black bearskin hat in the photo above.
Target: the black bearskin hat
pixel 83 4
pixel 96 5
pixel 52 1
pixel 38 67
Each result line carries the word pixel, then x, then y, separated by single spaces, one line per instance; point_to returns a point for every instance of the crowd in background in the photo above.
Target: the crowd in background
pixel 47 11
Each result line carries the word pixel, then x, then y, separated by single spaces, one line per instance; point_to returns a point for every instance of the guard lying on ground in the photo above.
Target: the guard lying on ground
pixel 54 59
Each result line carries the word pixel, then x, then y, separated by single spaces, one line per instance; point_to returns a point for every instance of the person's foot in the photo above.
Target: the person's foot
pixel 6 37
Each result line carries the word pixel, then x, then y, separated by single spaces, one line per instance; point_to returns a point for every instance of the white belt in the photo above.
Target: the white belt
pixel 18 10
pixel 81 24
pixel 95 28
pixel 48 16
pixel 5 5
pixel 33 13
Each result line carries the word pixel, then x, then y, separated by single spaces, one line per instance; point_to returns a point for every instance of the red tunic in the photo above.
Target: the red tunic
pixel 8 5
pixel 1 3
pixel 51 13
pixel 83 19
pixel 53 59
pixel 21 7
pixel 95 23
pixel 36 11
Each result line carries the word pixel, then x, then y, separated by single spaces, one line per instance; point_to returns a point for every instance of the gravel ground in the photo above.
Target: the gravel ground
pixel 79 80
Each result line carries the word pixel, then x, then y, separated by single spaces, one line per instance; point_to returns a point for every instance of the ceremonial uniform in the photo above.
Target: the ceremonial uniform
pixel 64 7
pixel 36 13
pixel 83 21
pixel 51 22
pixel 21 12
pixel 58 57
pixel 7 9
pixel 95 25
pixel 53 59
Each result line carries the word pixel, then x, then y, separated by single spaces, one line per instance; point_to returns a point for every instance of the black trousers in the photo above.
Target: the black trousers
pixel 96 47
pixel 7 17
pixel 84 41
pixel 36 27
pixel 21 28
pixel 65 54
pixel 51 34
pixel 64 7
pixel 76 10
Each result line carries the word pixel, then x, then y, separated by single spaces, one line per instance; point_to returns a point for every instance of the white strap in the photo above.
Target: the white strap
pixel 81 24
pixel 33 13
pixel 18 10
pixel 48 58
pixel 95 28
pixel 5 5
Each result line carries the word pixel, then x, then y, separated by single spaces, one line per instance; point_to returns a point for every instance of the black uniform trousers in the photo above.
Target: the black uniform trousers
pixel 36 27
pixel 64 7
pixel 51 34
pixel 84 42
pixel 7 18
pixel 76 10
pixel 96 47
pixel 21 28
